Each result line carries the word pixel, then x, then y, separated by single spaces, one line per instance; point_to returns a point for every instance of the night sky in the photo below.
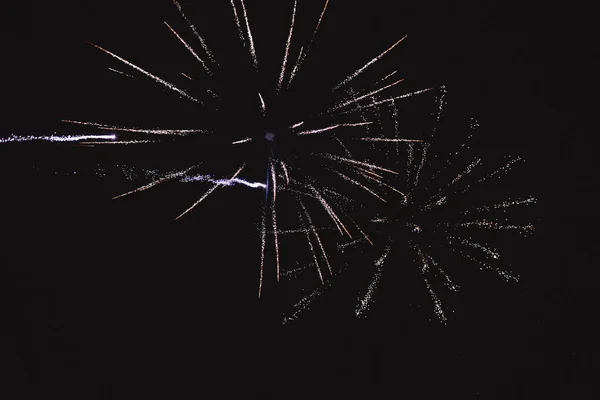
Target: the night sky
pixel 115 299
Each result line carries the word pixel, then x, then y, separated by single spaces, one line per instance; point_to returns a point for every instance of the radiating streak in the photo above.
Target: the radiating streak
pixel 367 171
pixel 202 42
pixel 367 65
pixel 263 243
pixel 436 301
pixel 250 40
pixel 367 299
pixel 123 142
pixel 496 226
pixel 138 130
pixel 287 48
pixel 312 249
pixel 504 168
pixel 376 139
pixel 316 235
pixel 466 242
pixel 54 138
pixel 303 55
pixel 295 69
pixel 157 182
pixel 345 177
pixel 504 204
pixel 421 164
pixel 350 161
pixel 359 98
pixel 187 46
pixel 263 106
pixel 187 76
pixel 148 74
pixel 120 72
pixel 209 192
pixel 337 139
pixel 329 210
pixel 274 214
pixel 386 77
pixel 396 126
pixel 467 171
pixel 297 125
pixel 304 303
pixel 343 246
pixel 224 182
pixel 246 140
pixel 304 230
pixel 361 232
pixel 391 99
pixel 504 274
pixel 285 172
pixel 238 23
pixel 385 184
pixel 329 128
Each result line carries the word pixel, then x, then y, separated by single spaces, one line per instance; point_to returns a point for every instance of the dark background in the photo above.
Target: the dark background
pixel 112 300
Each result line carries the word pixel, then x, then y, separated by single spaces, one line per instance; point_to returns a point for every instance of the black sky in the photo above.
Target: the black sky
pixel 113 300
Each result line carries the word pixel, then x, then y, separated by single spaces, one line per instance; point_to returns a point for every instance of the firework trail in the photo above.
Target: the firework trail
pixel 303 53
pixel 57 138
pixel 367 65
pixel 367 299
pixel 148 74
pixel 193 28
pixel 287 48
pixel 189 48
pixel 249 32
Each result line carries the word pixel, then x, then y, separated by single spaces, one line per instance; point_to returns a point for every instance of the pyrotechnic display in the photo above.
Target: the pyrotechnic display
pixel 339 167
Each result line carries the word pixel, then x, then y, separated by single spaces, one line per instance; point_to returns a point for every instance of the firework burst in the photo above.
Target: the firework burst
pixel 301 152
pixel 454 214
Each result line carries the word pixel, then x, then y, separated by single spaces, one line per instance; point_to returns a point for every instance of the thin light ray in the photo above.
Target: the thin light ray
pixel 303 55
pixel 316 235
pixel 329 210
pixel 263 106
pixel 187 76
pixel 54 138
pixel 347 178
pixel 391 99
pixel 263 244
pixel 359 98
pixel 287 48
pixel 202 42
pixel 120 72
pixel 148 74
pixel 285 172
pixel 312 250
pixel 367 65
pixel 274 215
pixel 157 182
pixel 238 23
pixel 367 299
pixel 121 142
pixel 178 132
pixel 391 140
pixel 250 39
pixel 246 140
pixel 208 193
pixel 336 126
pixel 187 46
pixel 364 164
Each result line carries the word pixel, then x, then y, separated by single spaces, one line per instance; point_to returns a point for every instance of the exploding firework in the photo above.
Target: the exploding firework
pixel 260 131
pixel 454 214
